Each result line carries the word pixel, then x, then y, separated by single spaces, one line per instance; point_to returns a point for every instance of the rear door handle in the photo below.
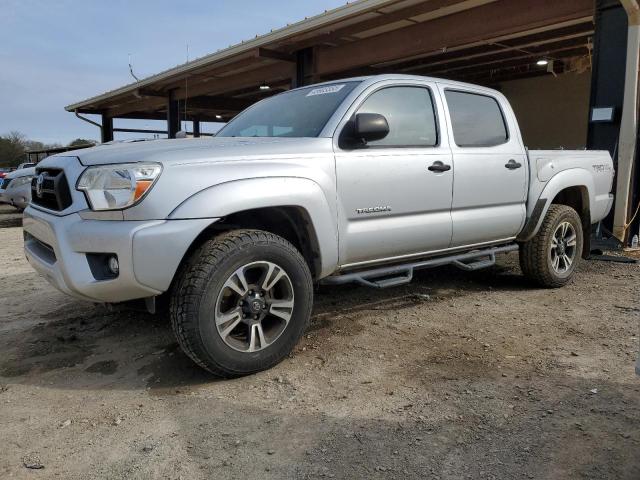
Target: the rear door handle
pixel 512 164
pixel 439 167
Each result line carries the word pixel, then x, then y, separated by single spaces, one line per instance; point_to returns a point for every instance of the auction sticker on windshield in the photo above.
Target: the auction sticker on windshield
pixel 325 90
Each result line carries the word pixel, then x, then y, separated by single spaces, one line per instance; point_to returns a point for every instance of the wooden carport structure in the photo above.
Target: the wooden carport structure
pixel 479 41
pixel 482 41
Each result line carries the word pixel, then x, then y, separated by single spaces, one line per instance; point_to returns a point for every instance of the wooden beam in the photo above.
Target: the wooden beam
pixel 274 55
pixel 483 43
pixel 144 116
pixel 502 17
pixel 498 60
pixel 218 103
pixel 505 64
pixel 270 73
pixel 134 104
pixel 495 48
pixel 433 7
pixel 253 78
pixel 495 80
pixel 140 130
pixel 148 92
pixel 89 111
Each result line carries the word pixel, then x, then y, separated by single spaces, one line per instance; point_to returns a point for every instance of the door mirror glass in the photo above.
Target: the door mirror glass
pixel 369 127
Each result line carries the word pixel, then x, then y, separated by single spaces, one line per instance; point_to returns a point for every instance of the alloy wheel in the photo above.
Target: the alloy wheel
pixel 563 248
pixel 254 306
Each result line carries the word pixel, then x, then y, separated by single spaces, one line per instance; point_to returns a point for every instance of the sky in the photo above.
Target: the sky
pixel 56 52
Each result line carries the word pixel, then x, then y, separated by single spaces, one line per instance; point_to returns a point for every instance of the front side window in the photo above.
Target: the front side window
pixel 410 114
pixel 298 113
pixel 477 120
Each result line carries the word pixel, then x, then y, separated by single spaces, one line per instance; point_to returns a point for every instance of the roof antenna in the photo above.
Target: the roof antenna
pixel 131 70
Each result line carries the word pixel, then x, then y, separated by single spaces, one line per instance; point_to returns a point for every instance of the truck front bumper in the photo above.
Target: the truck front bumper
pixel 149 253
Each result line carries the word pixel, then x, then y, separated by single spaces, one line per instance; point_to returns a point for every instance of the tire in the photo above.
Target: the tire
pixel 215 317
pixel 538 255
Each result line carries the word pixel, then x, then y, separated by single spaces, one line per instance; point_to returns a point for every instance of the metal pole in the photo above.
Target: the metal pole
pixel 88 120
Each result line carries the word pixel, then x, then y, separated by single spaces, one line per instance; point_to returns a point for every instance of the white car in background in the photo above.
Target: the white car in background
pixel 15 188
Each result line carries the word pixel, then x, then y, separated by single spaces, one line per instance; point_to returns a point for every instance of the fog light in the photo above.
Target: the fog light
pixel 114 266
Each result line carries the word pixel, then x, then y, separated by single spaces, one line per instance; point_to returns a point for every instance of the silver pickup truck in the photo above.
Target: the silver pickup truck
pixel 359 180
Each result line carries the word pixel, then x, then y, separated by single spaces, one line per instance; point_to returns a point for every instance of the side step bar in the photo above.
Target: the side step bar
pixel 393 276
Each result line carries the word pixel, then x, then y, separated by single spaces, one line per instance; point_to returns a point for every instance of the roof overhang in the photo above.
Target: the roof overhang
pixel 482 41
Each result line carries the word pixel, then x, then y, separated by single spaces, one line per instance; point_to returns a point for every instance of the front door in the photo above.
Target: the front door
pixel 490 179
pixel 392 204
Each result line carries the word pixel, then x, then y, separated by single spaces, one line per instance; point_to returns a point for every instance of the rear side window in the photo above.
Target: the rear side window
pixel 410 114
pixel 477 120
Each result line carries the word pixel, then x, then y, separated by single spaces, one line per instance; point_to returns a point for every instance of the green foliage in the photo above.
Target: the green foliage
pixel 12 149
pixel 80 142
pixel 14 145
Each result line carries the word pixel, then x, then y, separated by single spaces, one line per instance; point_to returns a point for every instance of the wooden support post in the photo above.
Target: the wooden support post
pixel 107 128
pixel 173 115
pixel 304 68
pixel 608 79
pixel 196 127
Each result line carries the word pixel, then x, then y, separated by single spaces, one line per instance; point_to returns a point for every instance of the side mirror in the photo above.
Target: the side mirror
pixel 369 127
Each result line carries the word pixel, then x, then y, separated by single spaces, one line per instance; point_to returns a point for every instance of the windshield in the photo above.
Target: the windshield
pixel 298 113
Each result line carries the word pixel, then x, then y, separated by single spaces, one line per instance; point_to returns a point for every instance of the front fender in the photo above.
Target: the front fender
pixel 239 195
pixel 537 208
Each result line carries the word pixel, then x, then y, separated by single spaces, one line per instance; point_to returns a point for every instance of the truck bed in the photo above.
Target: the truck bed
pixel 548 166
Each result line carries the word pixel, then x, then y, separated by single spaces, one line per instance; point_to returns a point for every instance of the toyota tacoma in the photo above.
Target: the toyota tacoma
pixel 360 180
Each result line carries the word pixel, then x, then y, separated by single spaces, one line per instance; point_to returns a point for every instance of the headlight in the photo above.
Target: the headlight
pixel 20 181
pixel 114 187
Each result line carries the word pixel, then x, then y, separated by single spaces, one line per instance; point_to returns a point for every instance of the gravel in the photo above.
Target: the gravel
pixel 458 375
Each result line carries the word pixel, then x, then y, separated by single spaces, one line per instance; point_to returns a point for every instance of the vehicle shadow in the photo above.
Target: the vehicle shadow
pixel 10 217
pixel 434 285
pixel 122 349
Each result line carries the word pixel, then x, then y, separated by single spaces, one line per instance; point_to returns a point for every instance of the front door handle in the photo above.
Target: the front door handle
pixel 513 165
pixel 439 167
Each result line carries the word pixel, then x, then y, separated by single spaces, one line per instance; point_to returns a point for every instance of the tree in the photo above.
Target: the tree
pixel 78 142
pixel 15 145
pixel 12 149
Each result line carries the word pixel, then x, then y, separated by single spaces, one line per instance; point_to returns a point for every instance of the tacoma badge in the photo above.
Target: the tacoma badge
pixel 373 210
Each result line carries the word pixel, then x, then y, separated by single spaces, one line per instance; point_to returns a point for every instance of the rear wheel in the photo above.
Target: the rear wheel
pixel 242 302
pixel 551 256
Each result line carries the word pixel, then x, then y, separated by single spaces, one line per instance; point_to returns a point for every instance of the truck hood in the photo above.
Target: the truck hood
pixel 21 172
pixel 200 149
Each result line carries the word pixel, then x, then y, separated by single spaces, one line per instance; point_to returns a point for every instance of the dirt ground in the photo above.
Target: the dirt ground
pixel 459 375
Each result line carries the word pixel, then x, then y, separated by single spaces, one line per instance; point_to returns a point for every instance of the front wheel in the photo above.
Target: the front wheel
pixel 551 256
pixel 242 302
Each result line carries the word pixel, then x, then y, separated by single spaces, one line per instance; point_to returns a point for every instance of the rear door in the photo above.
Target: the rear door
pixel 491 169
pixel 390 204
